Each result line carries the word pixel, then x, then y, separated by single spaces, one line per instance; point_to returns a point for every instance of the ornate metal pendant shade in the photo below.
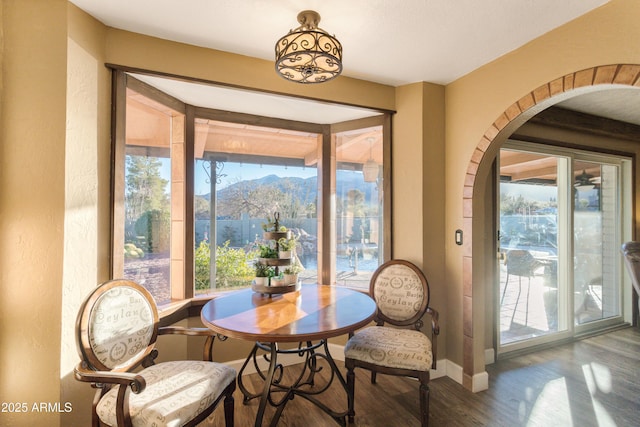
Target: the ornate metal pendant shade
pixel 308 54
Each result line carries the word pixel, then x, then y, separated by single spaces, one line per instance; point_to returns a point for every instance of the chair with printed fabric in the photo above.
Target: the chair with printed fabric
pixel 396 345
pixel 116 332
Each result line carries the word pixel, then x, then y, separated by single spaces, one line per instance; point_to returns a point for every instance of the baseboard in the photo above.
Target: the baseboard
pixel 444 367
pixel 479 381
pixel 453 371
pixel 489 356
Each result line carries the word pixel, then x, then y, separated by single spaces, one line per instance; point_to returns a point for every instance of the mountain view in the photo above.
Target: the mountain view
pixel 305 190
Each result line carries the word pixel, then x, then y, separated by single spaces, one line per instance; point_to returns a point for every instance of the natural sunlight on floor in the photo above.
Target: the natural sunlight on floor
pixel 599 381
pixel 555 398
pixel 552 398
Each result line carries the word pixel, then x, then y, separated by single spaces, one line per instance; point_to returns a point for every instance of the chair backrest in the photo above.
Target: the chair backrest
pixel 631 252
pixel 401 292
pixel 117 326
pixel 520 262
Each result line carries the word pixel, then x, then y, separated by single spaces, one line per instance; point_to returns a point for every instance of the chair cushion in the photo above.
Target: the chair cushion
pixel 121 326
pixel 398 292
pixel 176 392
pixel 391 347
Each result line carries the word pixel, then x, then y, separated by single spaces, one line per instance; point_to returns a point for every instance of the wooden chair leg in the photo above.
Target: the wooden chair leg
pixel 228 410
pixel 351 394
pixel 424 404
pixel 373 377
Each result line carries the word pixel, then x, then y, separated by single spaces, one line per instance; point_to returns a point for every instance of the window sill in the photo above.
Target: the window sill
pixel 175 311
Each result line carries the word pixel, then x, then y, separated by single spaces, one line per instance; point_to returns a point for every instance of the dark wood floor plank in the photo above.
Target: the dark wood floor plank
pixel 591 382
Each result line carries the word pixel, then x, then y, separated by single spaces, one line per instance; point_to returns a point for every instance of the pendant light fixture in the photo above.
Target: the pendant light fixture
pixel 308 54
pixel 370 169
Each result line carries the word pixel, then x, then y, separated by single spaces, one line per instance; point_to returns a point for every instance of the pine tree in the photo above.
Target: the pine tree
pixel 145 187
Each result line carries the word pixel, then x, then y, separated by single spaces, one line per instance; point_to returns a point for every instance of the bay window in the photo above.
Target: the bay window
pixel 194 186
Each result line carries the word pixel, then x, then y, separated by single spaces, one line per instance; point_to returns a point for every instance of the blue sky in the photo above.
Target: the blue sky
pixel 236 172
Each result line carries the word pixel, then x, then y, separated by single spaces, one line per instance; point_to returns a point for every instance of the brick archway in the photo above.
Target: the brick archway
pixel 617 74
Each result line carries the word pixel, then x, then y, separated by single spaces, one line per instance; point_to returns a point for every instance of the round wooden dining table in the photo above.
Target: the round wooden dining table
pixel 308 317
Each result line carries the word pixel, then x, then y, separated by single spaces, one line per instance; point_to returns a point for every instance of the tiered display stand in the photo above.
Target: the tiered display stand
pixel 275 262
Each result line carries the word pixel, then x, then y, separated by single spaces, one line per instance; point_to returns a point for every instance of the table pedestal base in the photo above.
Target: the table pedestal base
pixel 277 394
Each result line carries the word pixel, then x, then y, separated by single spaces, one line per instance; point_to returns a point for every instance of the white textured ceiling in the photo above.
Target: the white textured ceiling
pixel 387 41
pixel 622 104
pixel 392 42
pixel 260 104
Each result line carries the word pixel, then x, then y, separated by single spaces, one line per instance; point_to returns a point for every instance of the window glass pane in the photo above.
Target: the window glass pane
pixel 245 170
pixel 252 173
pixel 561 226
pixel 596 245
pixel 529 286
pixel 147 195
pixel 359 206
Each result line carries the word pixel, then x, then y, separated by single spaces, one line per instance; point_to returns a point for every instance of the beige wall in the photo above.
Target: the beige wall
pixel 54 168
pixel 475 101
pixel 86 221
pixel 138 51
pixel 54 175
pixel 419 187
pixel 32 180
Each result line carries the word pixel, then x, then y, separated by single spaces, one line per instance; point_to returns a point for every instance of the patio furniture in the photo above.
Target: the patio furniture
pixel 520 263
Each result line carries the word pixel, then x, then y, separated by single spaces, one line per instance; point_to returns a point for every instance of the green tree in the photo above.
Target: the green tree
pixel 202 260
pixel 233 266
pixel 256 200
pixel 260 201
pixel 155 227
pixel 201 207
pixel 510 205
pixel 145 187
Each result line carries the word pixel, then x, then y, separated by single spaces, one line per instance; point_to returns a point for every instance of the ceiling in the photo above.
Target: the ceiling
pixel 412 43
pixel 260 104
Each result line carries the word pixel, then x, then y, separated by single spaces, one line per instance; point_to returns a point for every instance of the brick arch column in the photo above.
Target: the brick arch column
pixel 618 74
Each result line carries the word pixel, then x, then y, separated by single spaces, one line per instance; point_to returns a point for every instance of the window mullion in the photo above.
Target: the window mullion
pixel 189 218
pixel 326 202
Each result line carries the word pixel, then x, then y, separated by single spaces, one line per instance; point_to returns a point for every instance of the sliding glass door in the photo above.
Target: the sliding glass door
pixel 596 219
pixel 561 223
pixel 532 252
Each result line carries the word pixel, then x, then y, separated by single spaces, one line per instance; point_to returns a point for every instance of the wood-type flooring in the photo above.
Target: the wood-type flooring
pixel 590 382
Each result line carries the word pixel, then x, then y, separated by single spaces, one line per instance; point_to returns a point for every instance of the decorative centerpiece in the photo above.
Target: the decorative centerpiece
pixel 277 251
pixel 291 272
pixel 263 273
pixel 286 246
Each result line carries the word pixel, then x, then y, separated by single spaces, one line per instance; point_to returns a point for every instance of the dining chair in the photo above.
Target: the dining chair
pixel 116 332
pixel 520 263
pixel 631 252
pixel 396 345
